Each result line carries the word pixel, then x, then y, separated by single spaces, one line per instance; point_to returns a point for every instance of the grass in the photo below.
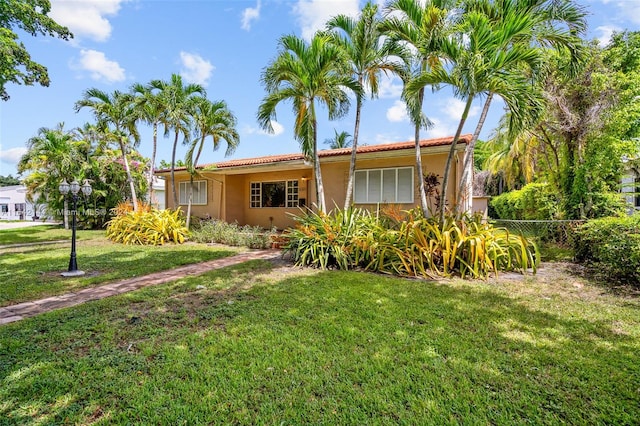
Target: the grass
pixel 253 345
pixel 36 234
pixel 32 272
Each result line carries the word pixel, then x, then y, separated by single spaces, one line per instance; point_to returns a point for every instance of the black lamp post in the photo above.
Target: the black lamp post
pixel 74 187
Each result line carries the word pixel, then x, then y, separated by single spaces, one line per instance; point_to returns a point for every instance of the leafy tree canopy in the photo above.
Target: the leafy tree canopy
pixel 16 65
pixel 9 180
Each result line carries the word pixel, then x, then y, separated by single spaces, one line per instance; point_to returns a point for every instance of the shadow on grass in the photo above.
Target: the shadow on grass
pixel 35 276
pixel 333 348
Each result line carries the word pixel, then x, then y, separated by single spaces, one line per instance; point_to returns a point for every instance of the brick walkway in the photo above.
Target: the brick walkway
pixel 20 311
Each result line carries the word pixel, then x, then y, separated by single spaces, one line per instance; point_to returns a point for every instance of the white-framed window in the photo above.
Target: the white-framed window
pixel 274 194
pixel 4 208
pixel 392 185
pixel 199 192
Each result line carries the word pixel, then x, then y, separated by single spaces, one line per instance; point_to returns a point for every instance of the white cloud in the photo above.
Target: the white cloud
pixel 12 155
pixel 278 129
pixel 101 68
pixel 195 69
pixel 398 112
pixel 439 129
pixel 389 87
pixel 454 108
pixel 604 33
pixel 249 15
pixel 86 18
pixel 313 14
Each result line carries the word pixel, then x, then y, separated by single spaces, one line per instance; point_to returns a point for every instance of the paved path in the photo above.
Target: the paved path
pixel 20 311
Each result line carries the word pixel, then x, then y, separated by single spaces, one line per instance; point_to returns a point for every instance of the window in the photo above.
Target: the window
pixel 274 194
pixel 20 207
pixel 637 195
pixel 394 185
pixel 199 192
pixel 4 208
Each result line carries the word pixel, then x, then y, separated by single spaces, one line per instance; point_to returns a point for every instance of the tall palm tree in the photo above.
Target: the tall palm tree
pixel 177 99
pixel 307 74
pixel 553 24
pixel 339 140
pixel 52 155
pixel 486 57
pixel 149 107
pixel 215 120
pixel 115 115
pixel 423 27
pixel 363 43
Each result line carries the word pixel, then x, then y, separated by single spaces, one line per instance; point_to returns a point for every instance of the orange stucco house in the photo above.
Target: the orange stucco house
pixel 265 191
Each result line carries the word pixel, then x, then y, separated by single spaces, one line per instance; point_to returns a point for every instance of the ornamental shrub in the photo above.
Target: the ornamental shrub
pixel 410 246
pixel 232 234
pixel 534 201
pixel 612 246
pixel 147 226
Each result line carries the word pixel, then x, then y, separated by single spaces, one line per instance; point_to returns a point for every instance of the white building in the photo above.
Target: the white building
pixel 14 204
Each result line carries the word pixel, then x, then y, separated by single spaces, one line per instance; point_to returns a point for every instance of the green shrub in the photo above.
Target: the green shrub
pixel 411 246
pixel 612 246
pixel 221 232
pixel 147 226
pixel 606 204
pixel 533 202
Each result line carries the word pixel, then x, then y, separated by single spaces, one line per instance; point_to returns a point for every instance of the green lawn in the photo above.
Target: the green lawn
pixel 252 345
pixel 32 272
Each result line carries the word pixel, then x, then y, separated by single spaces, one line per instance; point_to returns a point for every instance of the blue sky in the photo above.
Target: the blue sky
pixel 223 45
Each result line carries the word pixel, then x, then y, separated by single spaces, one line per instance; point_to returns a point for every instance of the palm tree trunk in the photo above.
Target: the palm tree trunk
pixel 452 151
pixel 318 173
pixel 173 174
pixel 132 188
pixel 354 149
pixel 65 214
pixel 195 166
pixel 153 161
pixel 463 193
pixel 419 171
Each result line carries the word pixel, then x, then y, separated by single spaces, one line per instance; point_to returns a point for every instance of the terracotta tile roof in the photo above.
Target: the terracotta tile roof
pixel 270 159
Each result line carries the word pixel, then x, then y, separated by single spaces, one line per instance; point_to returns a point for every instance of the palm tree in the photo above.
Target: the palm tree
pixel 339 140
pixel 307 74
pixel 487 58
pixel 53 155
pixel 423 27
pixel 215 120
pixel 177 100
pixel 117 110
pixel 363 43
pixel 553 25
pixel 150 109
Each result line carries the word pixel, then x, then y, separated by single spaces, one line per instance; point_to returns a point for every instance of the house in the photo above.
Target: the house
pixel 630 189
pixel 15 206
pixel 266 191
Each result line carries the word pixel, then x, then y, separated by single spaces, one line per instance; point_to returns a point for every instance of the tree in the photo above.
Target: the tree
pixel 423 27
pixel 9 181
pixel 52 155
pixel 307 74
pixel 486 57
pixel 178 103
pixel 552 25
pixel 116 117
pixel 16 65
pixel 339 140
pixel 363 43
pixel 150 109
pixel 214 120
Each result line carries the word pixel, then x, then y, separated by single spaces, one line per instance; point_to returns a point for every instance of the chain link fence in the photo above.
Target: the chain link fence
pixel 558 232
